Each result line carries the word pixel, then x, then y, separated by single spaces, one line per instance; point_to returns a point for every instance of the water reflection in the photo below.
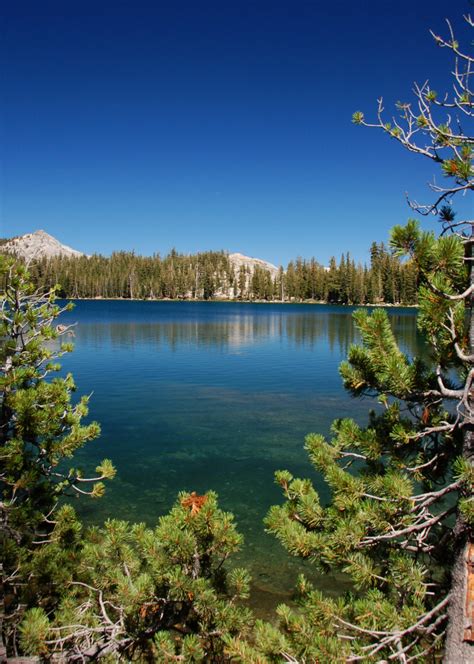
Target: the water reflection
pixel 306 329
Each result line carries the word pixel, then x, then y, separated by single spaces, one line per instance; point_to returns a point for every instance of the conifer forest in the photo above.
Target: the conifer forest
pixel 211 275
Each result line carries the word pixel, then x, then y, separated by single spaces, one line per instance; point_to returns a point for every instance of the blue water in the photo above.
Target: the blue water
pixel 200 396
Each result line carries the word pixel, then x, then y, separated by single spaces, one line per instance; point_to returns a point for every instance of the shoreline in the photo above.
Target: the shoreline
pixel 383 305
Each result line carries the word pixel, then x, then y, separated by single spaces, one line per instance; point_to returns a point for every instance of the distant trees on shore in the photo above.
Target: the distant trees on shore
pixel 211 275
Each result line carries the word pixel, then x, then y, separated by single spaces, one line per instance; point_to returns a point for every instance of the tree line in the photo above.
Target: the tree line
pixel 211 275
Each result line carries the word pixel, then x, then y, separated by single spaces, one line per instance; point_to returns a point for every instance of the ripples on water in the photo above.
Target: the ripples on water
pixel 200 396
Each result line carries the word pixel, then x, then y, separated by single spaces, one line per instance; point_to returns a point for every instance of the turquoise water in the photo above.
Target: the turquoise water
pixel 200 396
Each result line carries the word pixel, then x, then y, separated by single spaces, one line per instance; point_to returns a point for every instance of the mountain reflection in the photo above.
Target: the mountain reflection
pixel 306 329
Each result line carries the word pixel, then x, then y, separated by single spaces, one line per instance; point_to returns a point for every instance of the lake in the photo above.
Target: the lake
pixel 208 395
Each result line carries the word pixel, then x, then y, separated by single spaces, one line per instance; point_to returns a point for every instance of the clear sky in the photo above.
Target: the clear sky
pixel 213 125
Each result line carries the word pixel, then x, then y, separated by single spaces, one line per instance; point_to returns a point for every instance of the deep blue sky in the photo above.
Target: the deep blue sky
pixel 213 125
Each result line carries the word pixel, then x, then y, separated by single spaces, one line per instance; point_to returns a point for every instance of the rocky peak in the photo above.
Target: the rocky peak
pixel 38 245
pixel 237 260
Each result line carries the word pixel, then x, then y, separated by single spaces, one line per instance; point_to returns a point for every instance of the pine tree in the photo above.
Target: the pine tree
pixel 437 127
pixel 242 282
pixel 401 514
pixel 333 282
pixel 147 594
pixel 40 429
